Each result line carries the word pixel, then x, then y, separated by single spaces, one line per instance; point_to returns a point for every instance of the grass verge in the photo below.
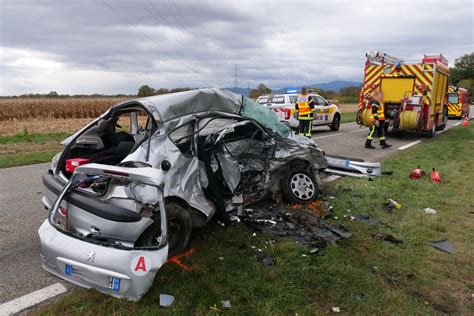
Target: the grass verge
pixel 361 275
pixel 348 117
pixel 24 149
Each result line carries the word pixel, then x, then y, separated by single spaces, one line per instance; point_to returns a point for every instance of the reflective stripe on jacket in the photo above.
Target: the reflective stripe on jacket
pixel 377 113
pixel 303 105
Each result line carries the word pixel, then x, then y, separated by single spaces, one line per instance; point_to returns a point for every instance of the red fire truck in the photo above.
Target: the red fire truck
pixel 414 92
pixel 458 102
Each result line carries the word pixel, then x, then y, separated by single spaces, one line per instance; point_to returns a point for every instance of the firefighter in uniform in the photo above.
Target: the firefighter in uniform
pixel 304 109
pixel 377 118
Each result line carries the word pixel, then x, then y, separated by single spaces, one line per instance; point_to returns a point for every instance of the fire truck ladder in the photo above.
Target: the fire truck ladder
pixel 380 58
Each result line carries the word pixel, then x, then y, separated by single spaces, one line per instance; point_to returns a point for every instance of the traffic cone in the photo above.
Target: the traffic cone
pixel 435 177
pixel 417 173
pixel 466 121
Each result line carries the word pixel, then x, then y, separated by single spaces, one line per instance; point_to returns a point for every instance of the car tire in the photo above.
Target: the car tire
pixel 179 229
pixel 299 186
pixel 336 122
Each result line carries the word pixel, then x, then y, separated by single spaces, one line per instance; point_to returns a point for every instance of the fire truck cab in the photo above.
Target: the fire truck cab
pixel 458 102
pixel 325 113
pixel 414 92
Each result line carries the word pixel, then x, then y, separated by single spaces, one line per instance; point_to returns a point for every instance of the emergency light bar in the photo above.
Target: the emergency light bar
pixel 291 91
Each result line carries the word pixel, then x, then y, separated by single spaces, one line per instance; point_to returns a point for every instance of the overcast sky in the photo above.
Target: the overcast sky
pixel 114 46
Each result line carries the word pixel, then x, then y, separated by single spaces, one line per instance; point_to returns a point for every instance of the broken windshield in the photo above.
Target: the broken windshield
pixel 264 116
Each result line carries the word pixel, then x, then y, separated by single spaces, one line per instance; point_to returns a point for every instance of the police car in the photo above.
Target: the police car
pixel 325 113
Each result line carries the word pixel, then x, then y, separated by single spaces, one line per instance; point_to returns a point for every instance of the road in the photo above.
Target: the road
pixel 350 139
pixel 21 211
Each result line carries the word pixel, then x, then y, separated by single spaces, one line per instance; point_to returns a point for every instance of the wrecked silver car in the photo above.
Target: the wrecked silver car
pixel 129 187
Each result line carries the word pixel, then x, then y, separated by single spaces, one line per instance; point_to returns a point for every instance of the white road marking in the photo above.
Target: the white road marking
pixel 410 145
pixel 327 136
pixel 457 124
pixel 32 299
pixel 359 130
pixel 444 130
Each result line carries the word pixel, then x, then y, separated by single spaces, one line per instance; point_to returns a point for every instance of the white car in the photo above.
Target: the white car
pixel 325 113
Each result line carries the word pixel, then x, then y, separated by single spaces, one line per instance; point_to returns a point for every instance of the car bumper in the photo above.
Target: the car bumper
pixel 113 271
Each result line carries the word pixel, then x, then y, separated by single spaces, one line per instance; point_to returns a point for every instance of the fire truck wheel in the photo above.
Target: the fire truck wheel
pixel 445 121
pixel 358 115
pixel 336 122
pixel 432 133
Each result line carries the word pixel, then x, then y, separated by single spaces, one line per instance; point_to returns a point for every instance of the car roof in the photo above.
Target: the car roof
pixel 166 107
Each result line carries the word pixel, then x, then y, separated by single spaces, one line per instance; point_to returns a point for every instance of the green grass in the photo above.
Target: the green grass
pixel 35 138
pixel 348 117
pixel 27 158
pixel 360 275
pixel 26 149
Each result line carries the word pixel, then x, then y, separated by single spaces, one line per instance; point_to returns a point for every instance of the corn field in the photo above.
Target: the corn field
pixel 54 108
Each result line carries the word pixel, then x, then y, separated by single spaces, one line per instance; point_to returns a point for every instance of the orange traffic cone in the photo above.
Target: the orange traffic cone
pixel 466 121
pixel 435 177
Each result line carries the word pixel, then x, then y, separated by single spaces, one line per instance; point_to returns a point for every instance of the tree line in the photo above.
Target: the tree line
pixel 345 95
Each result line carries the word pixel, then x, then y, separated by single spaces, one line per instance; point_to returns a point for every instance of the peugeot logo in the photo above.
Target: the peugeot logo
pixel 91 256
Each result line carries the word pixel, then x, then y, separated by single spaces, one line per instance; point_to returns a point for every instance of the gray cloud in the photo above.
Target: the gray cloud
pixel 113 46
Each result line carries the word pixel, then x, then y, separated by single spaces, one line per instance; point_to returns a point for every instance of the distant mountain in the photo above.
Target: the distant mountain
pixel 333 85
pixel 242 91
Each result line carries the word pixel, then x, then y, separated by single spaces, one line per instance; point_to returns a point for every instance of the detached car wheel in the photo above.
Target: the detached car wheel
pixel 299 186
pixel 336 122
pixel 179 229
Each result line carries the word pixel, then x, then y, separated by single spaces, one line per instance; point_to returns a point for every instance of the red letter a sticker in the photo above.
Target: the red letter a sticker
pixel 141 264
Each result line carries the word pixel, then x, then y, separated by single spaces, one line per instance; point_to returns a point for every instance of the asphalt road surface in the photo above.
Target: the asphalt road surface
pixel 21 211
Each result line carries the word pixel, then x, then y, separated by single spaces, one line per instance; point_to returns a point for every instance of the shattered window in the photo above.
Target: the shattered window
pixel 264 116
pixel 182 138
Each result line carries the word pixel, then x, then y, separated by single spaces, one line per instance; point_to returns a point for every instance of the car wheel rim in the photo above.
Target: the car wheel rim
pixel 337 121
pixel 302 186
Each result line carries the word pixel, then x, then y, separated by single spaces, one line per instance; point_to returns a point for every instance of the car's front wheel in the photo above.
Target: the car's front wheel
pixel 179 229
pixel 299 186
pixel 336 122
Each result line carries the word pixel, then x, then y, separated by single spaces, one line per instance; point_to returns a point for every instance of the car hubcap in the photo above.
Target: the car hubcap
pixel 302 186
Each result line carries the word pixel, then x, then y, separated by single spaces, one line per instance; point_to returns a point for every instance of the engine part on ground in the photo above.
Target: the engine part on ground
pixel 435 176
pixel 417 173
pixel 409 119
pixel 297 223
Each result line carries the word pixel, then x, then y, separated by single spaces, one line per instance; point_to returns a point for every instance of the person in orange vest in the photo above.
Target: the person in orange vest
pixel 377 117
pixel 304 108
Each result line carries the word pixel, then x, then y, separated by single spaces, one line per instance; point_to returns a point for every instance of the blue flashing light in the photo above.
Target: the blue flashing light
pixel 291 91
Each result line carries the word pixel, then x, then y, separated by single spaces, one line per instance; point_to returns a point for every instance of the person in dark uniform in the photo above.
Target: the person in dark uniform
pixel 304 107
pixel 377 118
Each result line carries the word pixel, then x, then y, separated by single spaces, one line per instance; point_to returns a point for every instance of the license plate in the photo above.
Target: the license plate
pixel 115 284
pixel 68 269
